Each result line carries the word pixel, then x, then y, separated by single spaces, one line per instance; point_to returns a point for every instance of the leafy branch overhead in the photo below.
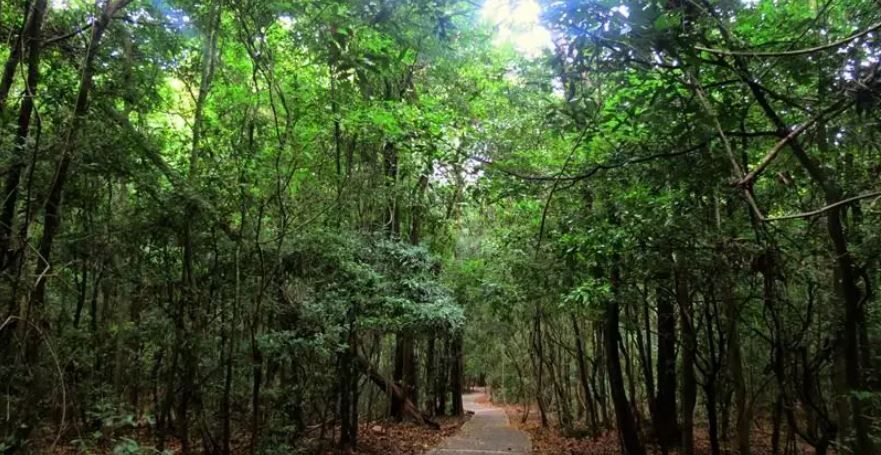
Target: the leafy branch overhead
pixel 273 227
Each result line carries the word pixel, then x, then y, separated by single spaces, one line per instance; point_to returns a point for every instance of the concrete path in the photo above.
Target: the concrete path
pixel 488 432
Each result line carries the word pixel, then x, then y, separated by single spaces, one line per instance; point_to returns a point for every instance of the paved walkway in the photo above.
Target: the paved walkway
pixel 487 432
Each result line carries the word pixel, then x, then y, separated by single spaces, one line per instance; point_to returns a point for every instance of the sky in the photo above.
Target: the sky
pixel 517 22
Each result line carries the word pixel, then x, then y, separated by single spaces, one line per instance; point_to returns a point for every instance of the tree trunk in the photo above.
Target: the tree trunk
pixel 538 366
pixel 392 218
pixel 456 373
pixel 256 383
pixel 190 299
pixel 417 209
pixel 712 417
pixel 348 392
pixel 52 216
pixel 14 58
pixel 440 383
pixel 776 424
pixel 847 274
pixel 666 427
pixel 644 349
pixel 689 349
pixel 430 373
pixel 225 402
pixel 584 376
pixel 31 37
pixel 393 389
pixel 735 365
pixel 627 431
pixel 405 371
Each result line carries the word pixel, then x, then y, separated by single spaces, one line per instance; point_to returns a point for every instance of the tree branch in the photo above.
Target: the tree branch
pixel 77 31
pixel 836 108
pixel 792 53
pixel 594 169
pixel 153 154
pixel 822 210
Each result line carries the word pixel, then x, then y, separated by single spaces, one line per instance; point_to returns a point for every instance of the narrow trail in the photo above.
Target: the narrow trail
pixel 488 432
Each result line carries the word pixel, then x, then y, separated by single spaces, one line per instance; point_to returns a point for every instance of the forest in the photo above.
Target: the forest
pixel 312 226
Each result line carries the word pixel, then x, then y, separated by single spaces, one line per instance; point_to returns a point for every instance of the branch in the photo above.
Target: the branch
pixel 738 170
pixel 544 210
pixel 593 170
pixel 393 390
pixel 609 166
pixel 836 108
pixel 153 154
pixel 750 133
pixel 77 31
pixel 824 209
pixel 796 52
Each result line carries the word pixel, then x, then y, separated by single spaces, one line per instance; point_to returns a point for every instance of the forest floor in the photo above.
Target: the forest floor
pixel 404 438
pixel 383 437
pixel 552 441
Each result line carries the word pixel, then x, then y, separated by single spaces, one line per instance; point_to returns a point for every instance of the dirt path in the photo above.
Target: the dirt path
pixel 488 432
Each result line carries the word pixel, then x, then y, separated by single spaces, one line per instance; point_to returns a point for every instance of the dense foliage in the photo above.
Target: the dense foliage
pixel 240 226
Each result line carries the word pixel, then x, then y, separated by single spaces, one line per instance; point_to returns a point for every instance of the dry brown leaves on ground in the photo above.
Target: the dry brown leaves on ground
pixel 550 441
pixel 375 438
pixel 403 438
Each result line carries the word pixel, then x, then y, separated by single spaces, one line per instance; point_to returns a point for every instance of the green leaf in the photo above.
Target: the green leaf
pixel 668 20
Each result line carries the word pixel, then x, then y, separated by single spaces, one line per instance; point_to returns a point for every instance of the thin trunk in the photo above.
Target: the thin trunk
pixel 81 298
pixel 711 372
pixel 848 276
pixel 456 372
pixel 839 389
pixel 627 431
pixel 712 418
pixel 256 383
pixel 52 216
pixel 584 375
pixel 440 385
pixel 776 424
pixel 689 350
pixel 348 389
pixel 188 312
pixel 417 210
pixel 538 366
pixel 14 58
pixel 666 426
pixel 430 373
pixel 645 353
pixel 32 35
pixel 735 368
pixel 225 406
pixel 404 372
pixel 392 218
pixel 600 375
pixel 411 371
pixel 391 388
pixel 226 400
